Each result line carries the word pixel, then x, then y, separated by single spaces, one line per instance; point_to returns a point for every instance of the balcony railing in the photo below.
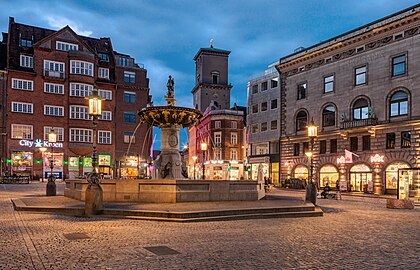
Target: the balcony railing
pixel 359 123
pixel 54 74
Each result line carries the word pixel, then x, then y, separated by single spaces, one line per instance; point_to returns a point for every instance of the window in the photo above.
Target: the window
pixel 218 139
pixel 274 82
pixel 398 65
pixel 106 94
pixel 64 46
pixel 106 115
pixel 54 69
pixel 234 154
pixel 81 67
pixel 215 77
pixel 104 137
pixel 255 108
pixel 233 138
pixel 260 149
pixel 81 135
pixel 103 73
pixel 301 120
pixel 360 75
pixel 234 124
pixel 328 116
pixel 53 110
pixel 406 139
pixel 273 124
pixel 296 149
pixel 25 42
pixel 329 84
pixel 22 131
pixel 103 57
pixel 129 136
pixel 398 104
pixel 79 112
pixel 333 146
pixel 264 106
pixel 80 90
pixel 217 154
pixel 254 128
pixel 217 124
pixel 26 61
pixel 301 91
pixel 129 97
pixel 323 147
pixel 360 109
pixel 22 84
pixel 54 88
pixel 274 104
pixel 354 142
pixel 264 86
pixel 58 130
pixel 390 140
pixel 129 117
pixel 264 127
pixel 255 88
pixel 305 147
pixel 274 148
pixel 21 107
pixel 366 143
pixel 123 62
pixel 129 77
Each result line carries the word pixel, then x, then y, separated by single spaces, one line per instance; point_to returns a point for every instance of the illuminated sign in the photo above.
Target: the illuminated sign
pixel 38 143
pixel 377 159
pixel 341 160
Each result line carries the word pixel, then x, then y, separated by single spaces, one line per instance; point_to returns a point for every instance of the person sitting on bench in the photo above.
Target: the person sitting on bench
pixel 326 190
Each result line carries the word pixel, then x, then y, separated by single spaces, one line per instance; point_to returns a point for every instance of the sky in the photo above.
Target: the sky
pixel 164 35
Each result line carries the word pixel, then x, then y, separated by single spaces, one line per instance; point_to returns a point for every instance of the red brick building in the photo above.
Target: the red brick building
pixel 47 75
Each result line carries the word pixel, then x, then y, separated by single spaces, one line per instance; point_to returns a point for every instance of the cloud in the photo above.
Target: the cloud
pixel 60 22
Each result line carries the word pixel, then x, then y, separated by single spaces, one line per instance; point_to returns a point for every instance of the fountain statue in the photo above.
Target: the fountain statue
pixel 169 118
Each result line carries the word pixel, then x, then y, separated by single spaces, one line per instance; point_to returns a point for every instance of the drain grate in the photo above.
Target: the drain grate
pixel 162 250
pixel 76 236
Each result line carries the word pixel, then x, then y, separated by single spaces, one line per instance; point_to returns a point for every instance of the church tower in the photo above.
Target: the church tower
pixel 211 79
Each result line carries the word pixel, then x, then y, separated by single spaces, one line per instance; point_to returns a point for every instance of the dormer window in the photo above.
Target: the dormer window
pixel 64 46
pixel 25 42
pixel 215 77
pixel 123 62
pixel 103 57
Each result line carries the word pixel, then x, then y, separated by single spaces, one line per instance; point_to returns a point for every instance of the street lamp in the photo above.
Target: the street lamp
pixel 94 194
pixel 51 187
pixel 42 149
pixel 194 159
pixel 311 187
pixel 203 149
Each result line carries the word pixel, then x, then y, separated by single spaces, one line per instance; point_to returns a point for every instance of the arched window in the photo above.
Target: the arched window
pixel 328 116
pixel 361 109
pixel 398 104
pixel 301 120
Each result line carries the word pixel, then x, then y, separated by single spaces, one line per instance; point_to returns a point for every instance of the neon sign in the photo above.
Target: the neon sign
pixel 341 160
pixel 377 159
pixel 38 143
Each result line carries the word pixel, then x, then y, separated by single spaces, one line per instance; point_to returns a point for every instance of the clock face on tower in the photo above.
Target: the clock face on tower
pixel 173 140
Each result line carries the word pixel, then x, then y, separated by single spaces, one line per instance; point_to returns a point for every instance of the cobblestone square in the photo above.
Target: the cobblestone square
pixel 350 235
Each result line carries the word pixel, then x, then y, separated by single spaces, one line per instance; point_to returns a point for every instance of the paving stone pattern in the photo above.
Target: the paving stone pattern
pixel 351 235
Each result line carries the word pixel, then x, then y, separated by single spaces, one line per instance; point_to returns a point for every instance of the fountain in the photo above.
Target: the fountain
pixel 169 183
pixel 169 119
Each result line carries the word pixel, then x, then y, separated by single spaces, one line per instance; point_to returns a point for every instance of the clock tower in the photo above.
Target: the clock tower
pixel 211 79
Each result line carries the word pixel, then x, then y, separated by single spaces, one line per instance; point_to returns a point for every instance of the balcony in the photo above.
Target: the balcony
pixel 359 123
pixel 54 74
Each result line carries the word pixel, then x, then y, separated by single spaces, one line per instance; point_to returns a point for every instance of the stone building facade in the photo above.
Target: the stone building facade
pixel 48 76
pixel 263 125
pixel 361 89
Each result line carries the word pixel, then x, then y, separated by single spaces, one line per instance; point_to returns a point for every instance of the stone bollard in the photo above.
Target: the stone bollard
pixel 93 200
pixel 399 204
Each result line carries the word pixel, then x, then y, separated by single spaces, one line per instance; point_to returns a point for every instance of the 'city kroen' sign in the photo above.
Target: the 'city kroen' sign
pixel 38 143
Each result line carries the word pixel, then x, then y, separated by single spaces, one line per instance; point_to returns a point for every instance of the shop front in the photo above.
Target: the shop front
pixel 301 172
pixel 129 167
pixel 328 174
pixel 73 166
pixel 408 184
pixel 269 167
pixel 361 178
pixel 22 163
pixel 391 176
pixel 104 163
pixel 58 164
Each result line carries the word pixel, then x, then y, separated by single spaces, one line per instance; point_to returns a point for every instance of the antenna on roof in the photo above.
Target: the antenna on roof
pixel 211 41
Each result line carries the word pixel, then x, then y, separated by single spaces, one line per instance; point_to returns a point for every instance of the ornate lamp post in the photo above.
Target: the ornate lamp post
pixel 94 194
pixel 51 187
pixel 311 187
pixel 203 149
pixel 195 160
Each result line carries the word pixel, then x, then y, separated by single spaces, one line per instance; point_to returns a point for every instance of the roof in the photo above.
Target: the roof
pixel 211 51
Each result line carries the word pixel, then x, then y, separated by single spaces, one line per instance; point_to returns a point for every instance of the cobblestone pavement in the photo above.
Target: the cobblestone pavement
pixel 351 235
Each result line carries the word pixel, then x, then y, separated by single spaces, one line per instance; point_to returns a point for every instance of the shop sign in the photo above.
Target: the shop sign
pixel 377 159
pixel 38 143
pixel 74 163
pixel 104 160
pixel 341 160
pixel 87 162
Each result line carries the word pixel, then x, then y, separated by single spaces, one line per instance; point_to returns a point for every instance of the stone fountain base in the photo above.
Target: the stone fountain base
pixel 169 191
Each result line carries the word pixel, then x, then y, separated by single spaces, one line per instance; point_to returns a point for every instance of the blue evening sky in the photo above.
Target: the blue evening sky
pixel 164 35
